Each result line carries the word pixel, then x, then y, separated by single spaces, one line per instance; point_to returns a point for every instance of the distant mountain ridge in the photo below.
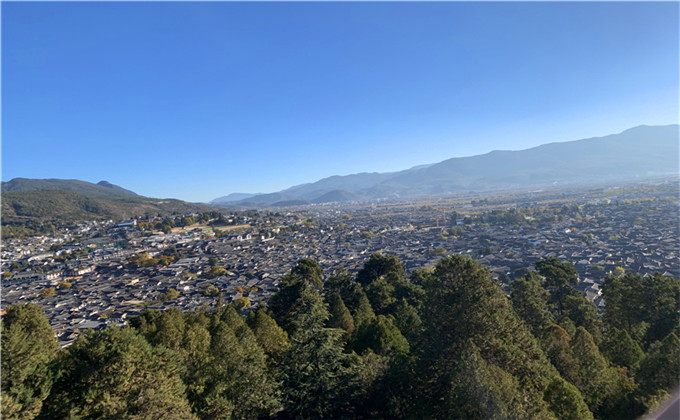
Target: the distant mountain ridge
pixel 636 153
pixel 100 189
pixel 66 200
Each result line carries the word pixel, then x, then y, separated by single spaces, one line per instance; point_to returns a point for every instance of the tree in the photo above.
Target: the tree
pixel 284 302
pixel 559 277
pixel 659 370
pixel 309 271
pixel 47 291
pixel 272 338
pixel 605 388
pixel 339 315
pixel 318 379
pixel 621 349
pixel 382 337
pixel 240 303
pixel 115 373
pixel 465 304
pixel 168 295
pixel 408 321
pixel 236 381
pixel 645 308
pixel 565 400
pixel 28 348
pixel 380 265
pixel 482 391
pixel 530 302
pixel 216 271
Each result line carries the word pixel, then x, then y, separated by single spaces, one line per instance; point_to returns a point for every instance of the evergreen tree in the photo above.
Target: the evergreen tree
pixel 318 379
pixel 237 380
pixel 382 337
pixel 309 271
pixel 463 303
pixel 565 401
pixel 530 302
pixel 408 321
pixel 621 349
pixel 272 338
pixel 28 348
pixel 606 389
pixel 115 374
pixel 339 315
pixel 380 265
pixel 286 301
pixel 480 391
pixel 556 343
pixel 363 312
pixel 660 369
pixel 646 308
pixel 559 279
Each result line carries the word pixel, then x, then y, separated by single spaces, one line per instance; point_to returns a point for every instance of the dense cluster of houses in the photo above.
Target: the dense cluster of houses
pixel 94 283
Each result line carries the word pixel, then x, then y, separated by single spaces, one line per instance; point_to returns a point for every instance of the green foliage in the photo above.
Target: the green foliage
pixel 339 315
pixel 480 391
pixel 565 401
pixel 28 348
pixel 168 295
pixel 115 373
pixel 464 304
pixel 660 370
pixel 530 302
pixel 284 303
pixel 645 308
pixel 605 388
pixel 382 337
pixel 47 291
pixel 318 379
pixel 216 271
pixel 309 271
pixel 211 290
pixel 559 277
pixel 621 349
pixel 380 265
pixel 272 338
pixel 408 321
pixel 64 285
pixel 144 260
pixel 240 303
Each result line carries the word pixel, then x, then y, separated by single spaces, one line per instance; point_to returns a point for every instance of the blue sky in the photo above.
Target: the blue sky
pixel 198 100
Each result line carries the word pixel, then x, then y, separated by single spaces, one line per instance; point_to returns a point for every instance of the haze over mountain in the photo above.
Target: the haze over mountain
pixel 640 152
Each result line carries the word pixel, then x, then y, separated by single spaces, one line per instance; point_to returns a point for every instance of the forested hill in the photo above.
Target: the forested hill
pixel 102 189
pixel 31 206
pixel 445 343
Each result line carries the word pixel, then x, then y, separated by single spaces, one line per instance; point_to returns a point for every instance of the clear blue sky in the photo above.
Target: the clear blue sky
pixel 198 100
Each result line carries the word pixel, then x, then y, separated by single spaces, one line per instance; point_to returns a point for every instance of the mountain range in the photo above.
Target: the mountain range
pixel 66 200
pixel 637 153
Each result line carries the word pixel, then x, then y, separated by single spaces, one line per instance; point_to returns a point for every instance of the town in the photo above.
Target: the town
pixel 102 272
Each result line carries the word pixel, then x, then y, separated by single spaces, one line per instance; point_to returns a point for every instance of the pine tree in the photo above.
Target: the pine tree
pixel 116 373
pixel 28 348
pixel 339 315
pixel 530 302
pixel 606 389
pixel 318 379
pixel 621 349
pixel 272 338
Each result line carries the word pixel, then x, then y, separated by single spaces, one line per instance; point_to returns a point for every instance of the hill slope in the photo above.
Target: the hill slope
pixel 639 152
pixel 101 189
pixel 63 201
